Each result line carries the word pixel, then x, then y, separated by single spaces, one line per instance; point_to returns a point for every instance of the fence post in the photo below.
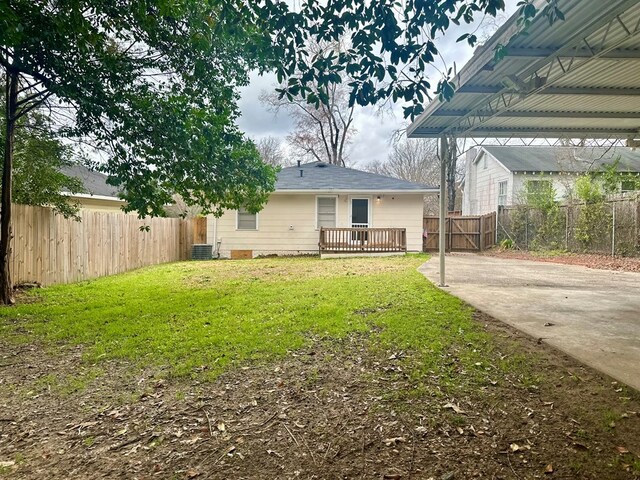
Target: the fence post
pixel 481 242
pixel 566 228
pixel 613 231
pixel 637 223
pixel 526 230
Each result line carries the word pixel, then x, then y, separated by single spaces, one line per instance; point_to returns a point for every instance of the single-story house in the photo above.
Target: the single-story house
pixel 315 196
pixel 99 195
pixel 496 175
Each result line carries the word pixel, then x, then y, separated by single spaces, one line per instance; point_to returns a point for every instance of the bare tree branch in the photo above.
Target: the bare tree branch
pixel 23 111
pixel 322 132
pixel 32 97
pixel 271 152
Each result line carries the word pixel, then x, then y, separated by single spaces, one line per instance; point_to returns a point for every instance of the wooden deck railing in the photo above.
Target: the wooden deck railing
pixel 358 240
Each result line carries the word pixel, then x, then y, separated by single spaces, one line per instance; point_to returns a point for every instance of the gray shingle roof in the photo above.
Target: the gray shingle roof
pixel 95 183
pixel 563 159
pixel 324 176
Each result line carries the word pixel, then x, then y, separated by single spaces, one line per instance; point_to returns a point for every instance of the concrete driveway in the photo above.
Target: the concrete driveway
pixel 595 313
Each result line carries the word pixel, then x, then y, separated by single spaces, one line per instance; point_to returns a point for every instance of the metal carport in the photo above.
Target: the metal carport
pixel 578 78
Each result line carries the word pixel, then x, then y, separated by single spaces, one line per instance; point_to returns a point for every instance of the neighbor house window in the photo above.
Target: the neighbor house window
pixel 484 162
pixel 247 220
pixel 539 189
pixel 502 193
pixel 326 212
pixel 629 186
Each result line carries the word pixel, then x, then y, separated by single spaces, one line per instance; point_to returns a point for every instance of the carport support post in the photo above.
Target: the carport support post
pixel 443 206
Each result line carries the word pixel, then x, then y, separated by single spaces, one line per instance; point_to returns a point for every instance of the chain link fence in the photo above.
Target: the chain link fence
pixel 610 227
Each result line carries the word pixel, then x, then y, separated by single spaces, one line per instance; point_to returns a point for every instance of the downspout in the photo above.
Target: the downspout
pixel 216 243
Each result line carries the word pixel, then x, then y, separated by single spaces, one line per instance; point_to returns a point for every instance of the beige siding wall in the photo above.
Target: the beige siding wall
pixel 287 224
pixel 99 205
pixel 401 211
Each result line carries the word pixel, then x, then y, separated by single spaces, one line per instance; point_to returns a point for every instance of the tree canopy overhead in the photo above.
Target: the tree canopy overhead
pixel 392 45
pixel 154 84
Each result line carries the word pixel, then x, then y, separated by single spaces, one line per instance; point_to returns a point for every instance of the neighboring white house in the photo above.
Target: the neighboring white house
pixel 495 175
pixel 315 195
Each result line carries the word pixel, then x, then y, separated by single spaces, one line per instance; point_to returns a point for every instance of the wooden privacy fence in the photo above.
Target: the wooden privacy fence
pixel 199 230
pixel 471 233
pixel 50 249
pixel 358 240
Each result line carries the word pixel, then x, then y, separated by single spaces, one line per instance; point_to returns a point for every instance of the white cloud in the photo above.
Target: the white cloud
pixel 256 120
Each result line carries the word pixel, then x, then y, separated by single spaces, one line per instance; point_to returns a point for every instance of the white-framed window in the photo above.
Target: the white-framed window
pixel 246 220
pixel 326 211
pixel 502 193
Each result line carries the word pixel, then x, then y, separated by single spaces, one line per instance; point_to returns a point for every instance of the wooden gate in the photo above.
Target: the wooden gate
pixel 464 234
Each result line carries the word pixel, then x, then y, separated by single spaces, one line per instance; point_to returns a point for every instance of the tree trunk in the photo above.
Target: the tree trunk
pixel 6 287
pixel 452 161
pixel 451 191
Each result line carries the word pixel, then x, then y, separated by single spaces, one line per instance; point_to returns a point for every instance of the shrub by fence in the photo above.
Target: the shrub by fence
pixel 610 227
pixel 49 249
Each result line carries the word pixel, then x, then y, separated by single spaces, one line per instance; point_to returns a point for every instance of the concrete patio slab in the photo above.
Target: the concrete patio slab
pixel 592 315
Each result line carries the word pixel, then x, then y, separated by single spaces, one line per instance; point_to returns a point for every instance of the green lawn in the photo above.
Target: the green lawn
pixel 186 316
pixel 361 360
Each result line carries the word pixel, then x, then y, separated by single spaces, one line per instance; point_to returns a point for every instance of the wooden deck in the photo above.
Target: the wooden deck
pixel 362 240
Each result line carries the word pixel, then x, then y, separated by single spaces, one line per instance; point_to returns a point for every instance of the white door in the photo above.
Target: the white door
pixel 360 219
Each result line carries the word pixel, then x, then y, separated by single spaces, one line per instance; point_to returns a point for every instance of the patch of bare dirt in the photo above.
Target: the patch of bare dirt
pixel 597 261
pixel 336 411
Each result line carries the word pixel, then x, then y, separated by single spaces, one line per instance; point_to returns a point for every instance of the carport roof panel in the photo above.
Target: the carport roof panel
pixel 584 71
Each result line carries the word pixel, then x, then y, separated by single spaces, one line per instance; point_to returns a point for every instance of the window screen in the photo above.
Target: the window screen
pixel 629 186
pixel 247 220
pixel 502 193
pixel 326 212
pixel 539 186
pixel 539 189
pixel 359 212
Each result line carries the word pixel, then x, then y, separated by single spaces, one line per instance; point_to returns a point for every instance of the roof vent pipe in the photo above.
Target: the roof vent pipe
pixel 301 172
pixel 298 163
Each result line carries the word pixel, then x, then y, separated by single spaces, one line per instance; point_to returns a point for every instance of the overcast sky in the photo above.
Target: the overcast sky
pixel 372 140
